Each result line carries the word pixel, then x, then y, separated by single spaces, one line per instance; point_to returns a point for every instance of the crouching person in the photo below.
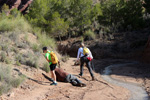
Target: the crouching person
pixel 66 77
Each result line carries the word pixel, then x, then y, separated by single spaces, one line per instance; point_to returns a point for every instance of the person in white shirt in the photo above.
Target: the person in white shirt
pixel 85 58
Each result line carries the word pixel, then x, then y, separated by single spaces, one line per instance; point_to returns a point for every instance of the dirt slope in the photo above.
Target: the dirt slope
pixel 37 87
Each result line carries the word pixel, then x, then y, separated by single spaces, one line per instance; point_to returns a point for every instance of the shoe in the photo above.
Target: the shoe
pixel 80 74
pixel 53 83
pixel 93 79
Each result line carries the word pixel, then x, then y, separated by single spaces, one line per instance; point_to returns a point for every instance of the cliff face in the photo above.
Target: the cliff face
pixel 21 5
pixel 146 55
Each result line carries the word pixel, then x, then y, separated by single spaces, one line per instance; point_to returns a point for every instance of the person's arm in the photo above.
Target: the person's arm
pixel 26 5
pixel 46 56
pixel 79 54
pixel 48 59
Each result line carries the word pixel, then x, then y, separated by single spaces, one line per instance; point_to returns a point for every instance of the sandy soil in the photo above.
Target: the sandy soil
pixel 37 87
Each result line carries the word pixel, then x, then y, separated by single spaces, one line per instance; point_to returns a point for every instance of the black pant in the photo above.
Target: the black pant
pixel 52 67
pixel 88 64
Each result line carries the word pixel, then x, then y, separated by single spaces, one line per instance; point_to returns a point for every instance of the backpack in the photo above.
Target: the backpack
pixel 53 57
pixel 85 51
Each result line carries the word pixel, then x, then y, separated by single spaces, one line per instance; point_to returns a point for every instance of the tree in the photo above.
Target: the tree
pixel 147 5
pixel 38 13
pixel 71 14
pixel 58 26
pixel 121 13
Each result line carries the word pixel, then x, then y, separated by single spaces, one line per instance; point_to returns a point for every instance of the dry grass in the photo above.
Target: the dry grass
pixel 7 80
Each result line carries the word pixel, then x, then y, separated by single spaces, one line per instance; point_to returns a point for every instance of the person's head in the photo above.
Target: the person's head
pixel 44 49
pixel 82 44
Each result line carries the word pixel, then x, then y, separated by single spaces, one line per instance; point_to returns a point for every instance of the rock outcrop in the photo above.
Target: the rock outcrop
pixel 21 5
pixel 146 54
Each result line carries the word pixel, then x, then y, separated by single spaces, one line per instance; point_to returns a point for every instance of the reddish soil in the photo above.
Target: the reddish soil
pixel 37 87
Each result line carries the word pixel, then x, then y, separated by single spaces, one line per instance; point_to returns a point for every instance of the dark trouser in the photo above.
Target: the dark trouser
pixel 88 64
pixel 73 80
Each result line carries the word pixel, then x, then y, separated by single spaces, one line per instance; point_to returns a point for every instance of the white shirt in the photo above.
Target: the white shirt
pixel 80 53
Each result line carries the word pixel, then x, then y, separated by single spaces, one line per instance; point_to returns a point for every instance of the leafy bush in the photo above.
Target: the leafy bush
pixel 90 34
pixel 147 5
pixel 58 25
pixel 14 22
pixel 44 39
pixel 121 14
pixel 58 17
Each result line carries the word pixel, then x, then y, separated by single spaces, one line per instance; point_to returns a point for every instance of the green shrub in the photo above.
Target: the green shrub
pixel 20 59
pixel 14 49
pixel 90 34
pixel 14 23
pixel 59 17
pixel 26 37
pixel 35 47
pixel 21 45
pixel 18 63
pixel 116 14
pixel 46 67
pixel 8 61
pixel 147 5
pixel 4 88
pixel 5 47
pixel 14 36
pixel 58 25
pixel 33 62
pixel 5 8
pixel 16 82
pixel 3 56
pixel 44 39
